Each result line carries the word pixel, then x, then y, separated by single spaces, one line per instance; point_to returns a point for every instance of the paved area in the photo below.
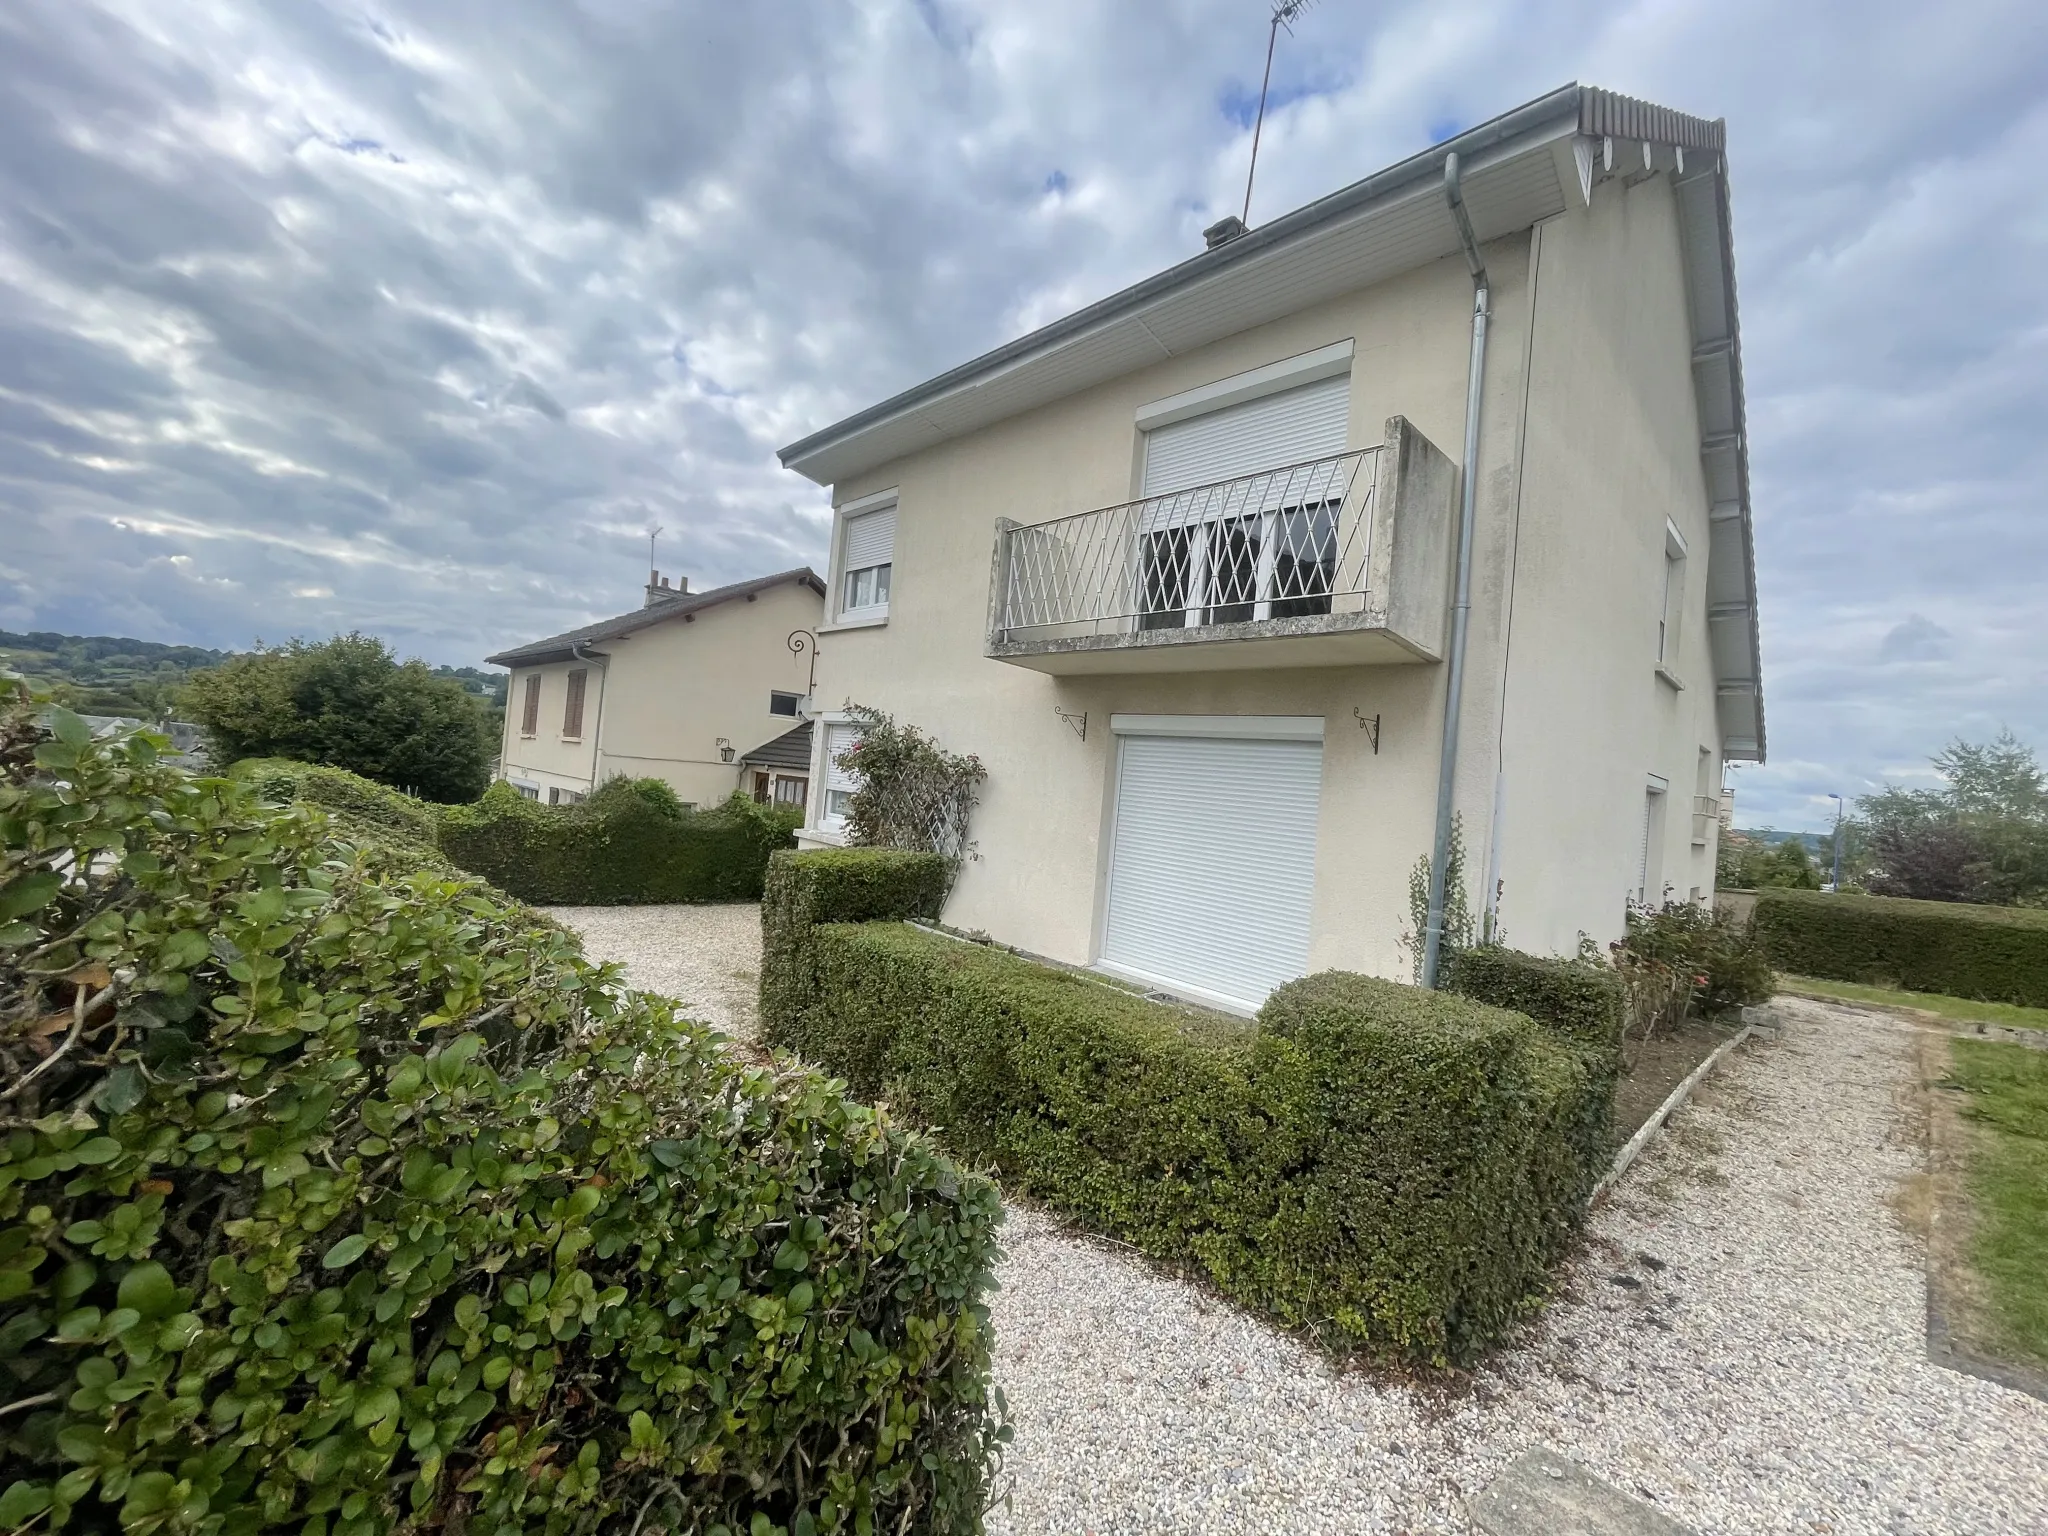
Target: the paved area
pixel 708 958
pixel 1741 1346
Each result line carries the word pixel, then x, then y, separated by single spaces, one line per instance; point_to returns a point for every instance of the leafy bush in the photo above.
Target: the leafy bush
pixel 1715 961
pixel 343 1202
pixel 348 703
pixel 1749 864
pixel 912 793
pixel 631 842
pixel 357 808
pixel 1390 1169
pixel 1994 954
pixel 1581 1002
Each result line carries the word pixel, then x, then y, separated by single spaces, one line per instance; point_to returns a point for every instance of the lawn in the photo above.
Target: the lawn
pixel 1962 1009
pixel 2008 1175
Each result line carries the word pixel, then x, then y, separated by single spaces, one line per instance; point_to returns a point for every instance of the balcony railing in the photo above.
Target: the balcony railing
pixel 1284 543
pixel 1706 810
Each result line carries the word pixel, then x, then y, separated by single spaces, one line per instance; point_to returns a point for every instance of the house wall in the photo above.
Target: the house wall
pixel 1603 377
pixel 1612 452
pixel 668 693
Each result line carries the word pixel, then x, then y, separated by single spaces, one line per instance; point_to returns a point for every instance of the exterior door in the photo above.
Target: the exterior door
pixel 1212 862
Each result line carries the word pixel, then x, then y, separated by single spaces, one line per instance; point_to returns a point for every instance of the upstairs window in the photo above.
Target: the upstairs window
pixel 867 556
pixel 1672 605
pixel 529 713
pixel 783 703
pixel 572 710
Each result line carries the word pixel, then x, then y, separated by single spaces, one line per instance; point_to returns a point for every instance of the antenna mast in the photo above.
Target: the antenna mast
pixel 1284 12
pixel 652 534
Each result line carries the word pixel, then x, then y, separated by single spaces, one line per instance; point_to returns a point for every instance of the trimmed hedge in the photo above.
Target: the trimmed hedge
pixel 478 1242
pixel 1390 1169
pixel 359 809
pixel 1992 954
pixel 630 843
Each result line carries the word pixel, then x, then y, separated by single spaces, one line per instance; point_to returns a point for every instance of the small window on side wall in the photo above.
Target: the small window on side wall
pixel 1673 605
pixel 783 703
pixel 867 555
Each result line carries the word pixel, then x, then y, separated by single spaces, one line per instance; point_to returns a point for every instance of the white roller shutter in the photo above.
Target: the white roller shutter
pixel 1288 428
pixel 870 539
pixel 1213 863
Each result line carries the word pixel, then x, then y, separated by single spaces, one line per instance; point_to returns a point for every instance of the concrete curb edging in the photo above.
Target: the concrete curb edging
pixel 1633 1147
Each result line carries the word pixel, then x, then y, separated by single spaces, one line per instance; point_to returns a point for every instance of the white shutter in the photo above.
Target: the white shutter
pixel 837 739
pixel 1213 863
pixel 870 539
pixel 1291 427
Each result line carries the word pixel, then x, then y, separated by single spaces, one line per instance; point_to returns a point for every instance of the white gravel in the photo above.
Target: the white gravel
pixel 708 958
pixel 1768 1373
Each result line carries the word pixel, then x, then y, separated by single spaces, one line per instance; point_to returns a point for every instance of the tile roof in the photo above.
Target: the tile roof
pixel 563 647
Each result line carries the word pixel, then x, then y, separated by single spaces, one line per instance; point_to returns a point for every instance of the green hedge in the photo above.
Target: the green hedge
pixel 477 1243
pixel 358 808
pixel 1993 954
pixel 1391 1169
pixel 630 843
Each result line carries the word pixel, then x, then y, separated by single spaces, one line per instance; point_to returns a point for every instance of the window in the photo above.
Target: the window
pixel 783 703
pixel 527 791
pixel 1672 605
pixel 529 713
pixel 1650 867
pixel 791 791
pixel 572 708
pixel 867 554
pixel 840 783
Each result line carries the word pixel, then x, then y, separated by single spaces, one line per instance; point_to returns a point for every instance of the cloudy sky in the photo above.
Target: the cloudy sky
pixel 414 317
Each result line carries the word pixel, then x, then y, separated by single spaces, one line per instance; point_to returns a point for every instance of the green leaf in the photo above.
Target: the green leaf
pixel 97 1152
pixel 122 1091
pixel 182 950
pixel 67 727
pixel 667 1153
pixel 150 1290
pixel 25 895
pixel 345 1252
pixel 791 1255
pixel 375 1406
pixel 22 1502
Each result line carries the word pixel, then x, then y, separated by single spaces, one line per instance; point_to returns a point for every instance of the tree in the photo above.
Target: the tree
pixel 348 703
pixel 1981 837
pixel 1748 864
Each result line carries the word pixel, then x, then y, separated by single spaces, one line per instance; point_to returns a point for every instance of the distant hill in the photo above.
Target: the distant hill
pixel 114 675
pixel 1815 843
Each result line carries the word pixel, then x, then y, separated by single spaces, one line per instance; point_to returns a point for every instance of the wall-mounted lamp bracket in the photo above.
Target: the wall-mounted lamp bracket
pixel 801 640
pixel 725 749
pixel 1078 724
pixel 1370 727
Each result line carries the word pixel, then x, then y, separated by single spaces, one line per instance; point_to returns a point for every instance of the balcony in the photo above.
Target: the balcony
pixel 1341 561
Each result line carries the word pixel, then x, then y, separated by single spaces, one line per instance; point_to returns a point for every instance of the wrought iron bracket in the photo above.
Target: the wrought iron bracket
pixel 801 640
pixel 1370 727
pixel 1078 724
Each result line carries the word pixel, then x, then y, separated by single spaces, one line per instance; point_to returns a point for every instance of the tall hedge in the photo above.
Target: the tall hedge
pixel 336 1197
pixel 631 842
pixel 1389 1168
pixel 357 808
pixel 1993 954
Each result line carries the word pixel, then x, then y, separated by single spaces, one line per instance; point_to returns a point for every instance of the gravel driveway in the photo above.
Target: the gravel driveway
pixel 1742 1341
pixel 708 958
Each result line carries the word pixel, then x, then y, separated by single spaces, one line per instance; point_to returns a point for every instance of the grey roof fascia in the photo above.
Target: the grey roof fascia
pixel 563 647
pixel 1562 105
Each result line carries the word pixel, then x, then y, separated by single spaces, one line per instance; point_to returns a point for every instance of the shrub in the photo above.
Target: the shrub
pixel 1389 1169
pixel 356 807
pixel 1580 1002
pixel 912 793
pixel 1684 956
pixel 345 1203
pixel 1994 954
pixel 631 842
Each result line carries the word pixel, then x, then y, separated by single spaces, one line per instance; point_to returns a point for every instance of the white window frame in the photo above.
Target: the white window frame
pixel 827 821
pixel 876 613
pixel 1671 609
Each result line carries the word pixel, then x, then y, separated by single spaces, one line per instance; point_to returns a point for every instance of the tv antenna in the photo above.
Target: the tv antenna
pixel 1284 12
pixel 652 534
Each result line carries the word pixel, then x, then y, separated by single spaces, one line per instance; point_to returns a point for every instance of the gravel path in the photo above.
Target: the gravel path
pixel 1742 1341
pixel 708 958
pixel 1767 1373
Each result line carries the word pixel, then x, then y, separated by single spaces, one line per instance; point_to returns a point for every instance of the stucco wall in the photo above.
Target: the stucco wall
pixel 668 693
pixel 1612 451
pixel 1569 545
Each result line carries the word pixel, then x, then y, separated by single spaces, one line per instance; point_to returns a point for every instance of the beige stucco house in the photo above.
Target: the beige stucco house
pixel 692 687
pixel 1183 568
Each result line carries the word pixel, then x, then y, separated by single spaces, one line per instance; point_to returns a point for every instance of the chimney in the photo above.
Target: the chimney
pixel 1223 231
pixel 659 591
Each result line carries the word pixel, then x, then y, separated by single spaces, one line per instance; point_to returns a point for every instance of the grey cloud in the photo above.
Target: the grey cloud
pixel 438 307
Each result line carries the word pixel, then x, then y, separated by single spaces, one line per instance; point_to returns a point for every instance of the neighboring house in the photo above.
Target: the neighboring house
pixel 778 772
pixel 1180 568
pixel 675 691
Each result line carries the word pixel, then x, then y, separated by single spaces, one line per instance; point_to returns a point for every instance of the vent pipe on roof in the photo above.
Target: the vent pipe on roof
pixel 1461 603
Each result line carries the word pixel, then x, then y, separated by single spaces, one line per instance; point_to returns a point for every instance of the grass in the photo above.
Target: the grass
pixel 2008 1089
pixel 1959 1008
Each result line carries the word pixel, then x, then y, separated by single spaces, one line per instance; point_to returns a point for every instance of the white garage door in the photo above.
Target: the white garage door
pixel 1212 863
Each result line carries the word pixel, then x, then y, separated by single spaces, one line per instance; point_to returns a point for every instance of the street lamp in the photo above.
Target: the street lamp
pixel 1838 842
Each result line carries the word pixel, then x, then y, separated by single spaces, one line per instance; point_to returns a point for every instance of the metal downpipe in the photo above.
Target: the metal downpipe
pixel 1461 603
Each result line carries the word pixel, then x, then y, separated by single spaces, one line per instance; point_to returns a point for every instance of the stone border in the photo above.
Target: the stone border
pixel 1632 1148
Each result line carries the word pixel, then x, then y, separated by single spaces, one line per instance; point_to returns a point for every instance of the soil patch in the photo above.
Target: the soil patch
pixel 1651 1068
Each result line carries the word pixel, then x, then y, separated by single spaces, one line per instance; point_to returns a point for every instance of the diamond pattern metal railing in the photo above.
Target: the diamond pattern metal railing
pixel 1283 543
